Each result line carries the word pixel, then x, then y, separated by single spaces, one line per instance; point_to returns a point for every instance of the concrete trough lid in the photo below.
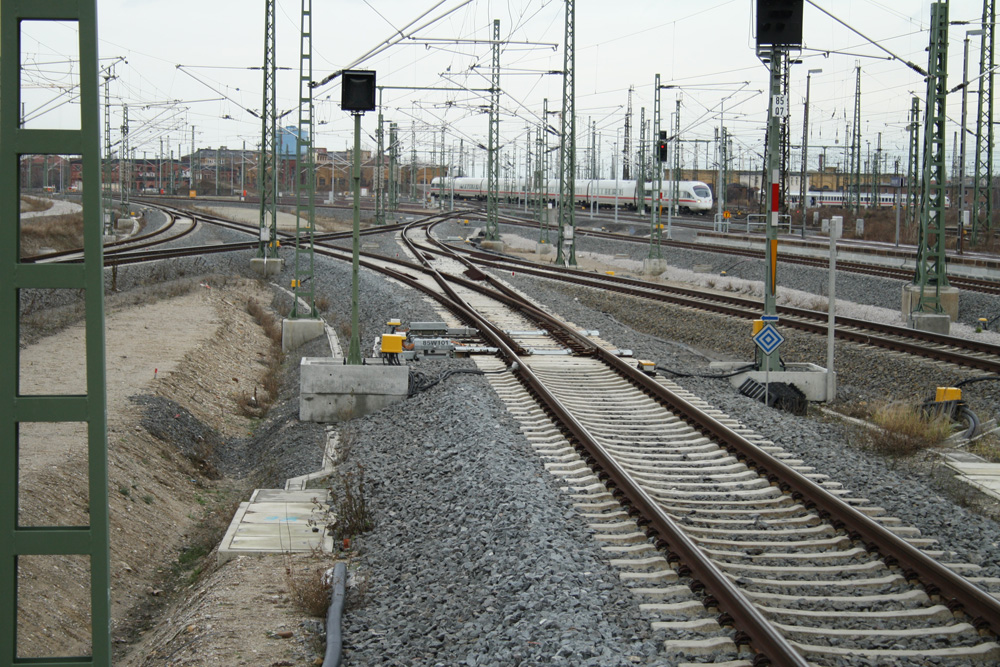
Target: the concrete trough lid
pixel 276 521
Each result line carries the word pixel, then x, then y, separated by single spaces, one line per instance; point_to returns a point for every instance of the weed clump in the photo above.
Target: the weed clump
pixel 352 515
pixel 256 404
pixel 902 430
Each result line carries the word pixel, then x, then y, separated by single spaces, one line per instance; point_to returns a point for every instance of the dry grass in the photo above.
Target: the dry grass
pixel 257 403
pixel 33 204
pixel 902 430
pixel 987 447
pixel 57 232
pixel 309 588
pixel 322 304
pixel 350 506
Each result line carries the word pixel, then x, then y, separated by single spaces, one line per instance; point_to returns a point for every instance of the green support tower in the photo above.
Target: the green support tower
pixel 566 239
pixel 931 275
pixel 305 190
pixel 982 198
pixel 913 171
pixel 267 179
pixel 28 541
pixel 493 163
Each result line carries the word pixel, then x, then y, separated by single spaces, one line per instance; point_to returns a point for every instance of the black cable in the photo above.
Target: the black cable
pixel 984 378
pixel 737 371
pixel 420 382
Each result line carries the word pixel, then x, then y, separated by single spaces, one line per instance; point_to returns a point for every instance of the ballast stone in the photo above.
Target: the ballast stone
pixel 330 391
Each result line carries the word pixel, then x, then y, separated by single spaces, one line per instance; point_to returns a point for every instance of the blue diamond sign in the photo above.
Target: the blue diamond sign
pixel 768 339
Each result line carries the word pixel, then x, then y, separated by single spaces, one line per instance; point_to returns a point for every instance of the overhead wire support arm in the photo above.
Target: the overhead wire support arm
pixel 912 65
pixel 395 39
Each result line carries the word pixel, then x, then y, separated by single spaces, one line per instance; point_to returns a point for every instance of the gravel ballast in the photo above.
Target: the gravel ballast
pixel 477 557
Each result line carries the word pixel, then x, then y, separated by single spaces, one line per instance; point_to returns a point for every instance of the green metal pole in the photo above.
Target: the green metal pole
pixel 354 351
pixel 655 227
pixel 493 163
pixel 305 183
pixel 567 154
pixel 772 362
pixel 18 409
pixel 982 197
pixel 931 274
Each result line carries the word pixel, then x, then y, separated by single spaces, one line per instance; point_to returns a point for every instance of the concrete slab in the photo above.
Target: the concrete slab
pixel 654 266
pixel 330 391
pixel 276 521
pixel 939 323
pixel 297 332
pixel 495 246
pixel 911 295
pixel 810 379
pixel 267 266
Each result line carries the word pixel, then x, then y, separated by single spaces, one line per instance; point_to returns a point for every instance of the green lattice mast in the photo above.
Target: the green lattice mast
pixel 305 185
pixel 492 161
pixel 982 197
pixel 931 274
pixel 267 176
pixel 567 152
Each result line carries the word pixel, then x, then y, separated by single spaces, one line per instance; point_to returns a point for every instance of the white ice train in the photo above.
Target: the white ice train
pixel 840 199
pixel 692 196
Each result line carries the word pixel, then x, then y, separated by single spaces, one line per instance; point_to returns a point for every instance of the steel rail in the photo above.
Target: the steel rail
pixel 906 275
pixel 809 321
pixel 983 608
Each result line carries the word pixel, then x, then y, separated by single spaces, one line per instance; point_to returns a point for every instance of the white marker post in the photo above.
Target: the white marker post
pixel 836 227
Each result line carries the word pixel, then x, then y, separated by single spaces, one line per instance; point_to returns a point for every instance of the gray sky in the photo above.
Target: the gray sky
pixel 705 47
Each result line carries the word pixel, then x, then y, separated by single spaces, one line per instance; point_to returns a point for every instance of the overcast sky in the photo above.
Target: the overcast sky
pixel 706 48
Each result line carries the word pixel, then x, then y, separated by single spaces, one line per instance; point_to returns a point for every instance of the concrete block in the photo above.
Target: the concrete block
pixel 330 391
pixel 911 295
pixel 267 266
pixel 495 246
pixel 544 248
pixel 939 323
pixel 810 379
pixel 296 332
pixel 654 266
pixel 124 224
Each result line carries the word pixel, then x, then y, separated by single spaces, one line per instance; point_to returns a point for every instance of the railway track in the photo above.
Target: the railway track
pixel 906 275
pixel 787 561
pixel 731 544
pixel 959 351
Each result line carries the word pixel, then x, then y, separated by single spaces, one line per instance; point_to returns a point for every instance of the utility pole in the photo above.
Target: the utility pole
pixel 305 184
pixel 913 184
pixel 567 156
pixel 493 163
pixel 379 182
pixel 675 184
pixel 786 134
pixel 876 174
pixel 655 228
pixel 627 141
pixel 268 164
pixel 413 160
pixel 640 183
pixel 125 166
pixel 982 195
pixel 803 181
pixel 393 167
pixel 543 231
pixel 856 144
pixel 107 199
pixel 931 274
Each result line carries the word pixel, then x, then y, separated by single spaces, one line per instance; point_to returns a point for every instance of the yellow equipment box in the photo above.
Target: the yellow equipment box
pixel 948 394
pixel 392 343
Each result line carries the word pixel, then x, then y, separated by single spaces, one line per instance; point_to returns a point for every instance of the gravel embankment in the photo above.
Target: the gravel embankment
pixel 477 558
